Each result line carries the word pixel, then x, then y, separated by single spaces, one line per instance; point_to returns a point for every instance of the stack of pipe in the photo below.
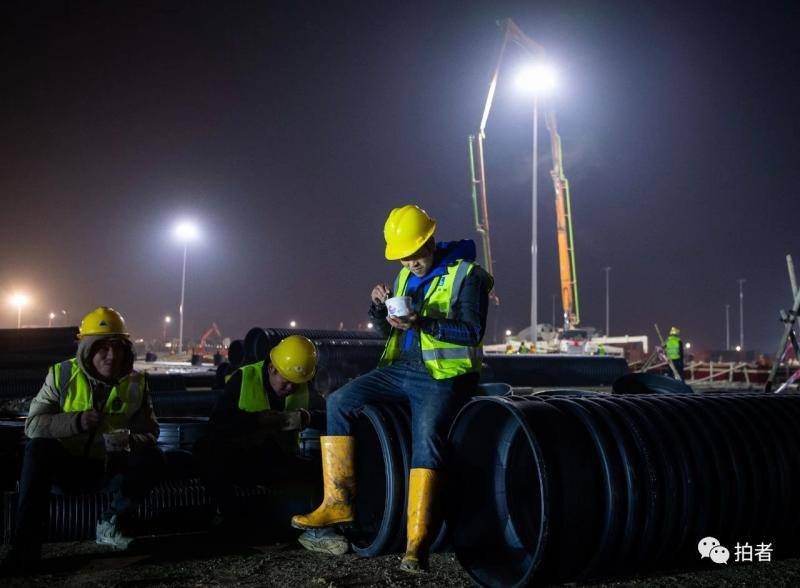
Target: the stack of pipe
pixel 562 487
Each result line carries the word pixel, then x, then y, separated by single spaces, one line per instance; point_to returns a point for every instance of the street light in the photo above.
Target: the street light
pixel 608 302
pixel 508 332
pixel 537 79
pixel 184 232
pixel 167 321
pixel 293 324
pixel 738 348
pixel 50 317
pixel 19 300
pixel 370 325
pixel 741 313
pixel 727 327
pixel 688 345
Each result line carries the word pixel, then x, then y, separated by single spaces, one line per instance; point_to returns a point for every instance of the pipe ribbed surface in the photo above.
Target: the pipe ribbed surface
pixel 258 341
pixel 557 487
pixel 176 505
pixel 341 355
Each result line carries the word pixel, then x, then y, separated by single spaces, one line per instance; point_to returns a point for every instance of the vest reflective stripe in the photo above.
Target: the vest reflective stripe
pixel 673 347
pixel 75 395
pixel 443 360
pixel 253 395
pixel 451 353
pixel 461 274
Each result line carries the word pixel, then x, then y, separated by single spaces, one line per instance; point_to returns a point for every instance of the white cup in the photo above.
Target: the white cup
pixel 399 306
pixel 117 440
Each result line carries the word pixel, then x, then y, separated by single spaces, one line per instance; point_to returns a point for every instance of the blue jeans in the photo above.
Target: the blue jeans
pixel 433 405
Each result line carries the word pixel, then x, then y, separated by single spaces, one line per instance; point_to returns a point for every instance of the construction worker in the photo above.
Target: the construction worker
pixel 431 362
pixel 255 425
pixel 70 426
pixel 673 347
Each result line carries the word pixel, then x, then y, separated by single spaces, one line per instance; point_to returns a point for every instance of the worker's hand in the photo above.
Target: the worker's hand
pixel 294 420
pixel 381 293
pixel 411 321
pixel 90 419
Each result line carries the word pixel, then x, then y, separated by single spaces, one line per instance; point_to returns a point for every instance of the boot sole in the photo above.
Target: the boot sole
pixel 116 546
pixel 341 547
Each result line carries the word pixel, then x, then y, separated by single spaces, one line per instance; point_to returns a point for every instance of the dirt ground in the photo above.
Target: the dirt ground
pixel 198 561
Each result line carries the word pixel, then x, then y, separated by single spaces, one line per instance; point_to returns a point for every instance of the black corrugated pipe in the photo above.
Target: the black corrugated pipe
pixel 342 355
pixel 383 461
pixel 174 506
pixel 236 353
pixel 555 488
pixel 259 340
pixel 184 404
pixel 553 370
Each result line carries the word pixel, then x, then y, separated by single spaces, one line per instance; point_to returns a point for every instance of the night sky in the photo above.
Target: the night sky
pixel 289 130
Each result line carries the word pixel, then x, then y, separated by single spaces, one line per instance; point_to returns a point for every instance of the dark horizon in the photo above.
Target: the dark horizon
pixel 288 132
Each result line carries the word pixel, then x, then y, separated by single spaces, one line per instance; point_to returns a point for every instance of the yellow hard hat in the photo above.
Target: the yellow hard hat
pixel 295 358
pixel 674 331
pixel 103 320
pixel 406 230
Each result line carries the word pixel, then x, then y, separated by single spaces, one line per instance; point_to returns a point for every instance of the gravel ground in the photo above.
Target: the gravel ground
pixel 197 561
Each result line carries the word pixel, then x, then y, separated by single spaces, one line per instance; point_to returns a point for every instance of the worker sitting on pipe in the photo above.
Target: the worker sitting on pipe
pixel 91 426
pixel 431 362
pixel 255 426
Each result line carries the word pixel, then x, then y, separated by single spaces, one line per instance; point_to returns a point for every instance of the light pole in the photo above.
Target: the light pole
pixel 727 327
pixel 19 300
pixel 608 301
pixel 50 318
pixel 537 79
pixel 741 313
pixel 184 232
pixel 167 321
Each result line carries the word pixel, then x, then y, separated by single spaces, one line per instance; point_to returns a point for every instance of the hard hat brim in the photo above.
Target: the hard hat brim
pixel 104 334
pixel 394 251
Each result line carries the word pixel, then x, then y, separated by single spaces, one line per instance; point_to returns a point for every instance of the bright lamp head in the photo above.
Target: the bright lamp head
pixel 538 78
pixel 186 231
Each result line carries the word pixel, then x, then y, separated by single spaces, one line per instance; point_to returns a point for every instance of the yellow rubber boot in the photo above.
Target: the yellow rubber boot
pixel 339 485
pixel 422 488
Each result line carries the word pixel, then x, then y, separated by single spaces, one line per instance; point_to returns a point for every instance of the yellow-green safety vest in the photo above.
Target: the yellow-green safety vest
pixel 673 347
pixel 75 395
pixel 253 398
pixel 443 360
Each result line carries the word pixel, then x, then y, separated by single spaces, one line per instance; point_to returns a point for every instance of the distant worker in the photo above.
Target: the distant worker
pixel 674 349
pixel 91 427
pixel 255 425
pixel 431 363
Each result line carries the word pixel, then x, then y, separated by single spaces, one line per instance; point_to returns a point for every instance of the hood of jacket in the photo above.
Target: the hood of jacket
pixel 86 348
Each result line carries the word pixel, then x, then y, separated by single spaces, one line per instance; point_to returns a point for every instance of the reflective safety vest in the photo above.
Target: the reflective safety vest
pixel 75 395
pixel 673 347
pixel 253 398
pixel 443 360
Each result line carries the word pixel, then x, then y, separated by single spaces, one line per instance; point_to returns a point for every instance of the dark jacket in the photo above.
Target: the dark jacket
pixel 228 422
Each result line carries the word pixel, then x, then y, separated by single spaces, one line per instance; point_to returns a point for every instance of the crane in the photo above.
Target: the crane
pixel 201 346
pixel 566 248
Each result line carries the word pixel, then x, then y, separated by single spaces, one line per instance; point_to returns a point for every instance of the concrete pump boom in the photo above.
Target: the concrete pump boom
pixel 566 249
